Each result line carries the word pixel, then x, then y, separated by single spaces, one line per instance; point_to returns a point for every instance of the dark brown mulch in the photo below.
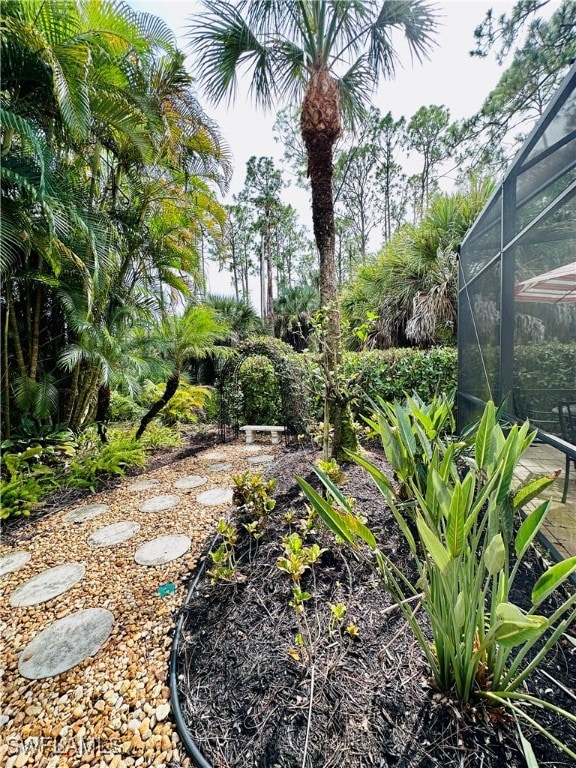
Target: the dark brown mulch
pixel 353 703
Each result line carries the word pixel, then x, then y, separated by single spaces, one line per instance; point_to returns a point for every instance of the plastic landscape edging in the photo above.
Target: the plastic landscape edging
pixel 189 744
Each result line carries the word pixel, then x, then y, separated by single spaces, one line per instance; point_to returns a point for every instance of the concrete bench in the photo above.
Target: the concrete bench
pixel 249 429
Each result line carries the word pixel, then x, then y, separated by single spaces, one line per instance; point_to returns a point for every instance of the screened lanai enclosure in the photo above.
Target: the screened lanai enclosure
pixel 517 291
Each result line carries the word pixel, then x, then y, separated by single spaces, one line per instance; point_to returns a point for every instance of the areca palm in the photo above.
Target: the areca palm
pixel 330 55
pixel 102 144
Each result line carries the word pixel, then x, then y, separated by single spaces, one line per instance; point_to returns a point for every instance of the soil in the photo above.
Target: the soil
pixel 252 696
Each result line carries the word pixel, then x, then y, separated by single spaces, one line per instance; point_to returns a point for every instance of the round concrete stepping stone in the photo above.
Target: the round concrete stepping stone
pixel 13 560
pixel 85 512
pixel 113 534
pixel 48 584
pixel 265 458
pixel 162 550
pixel 160 503
pixel 143 485
pixel 66 643
pixel 252 448
pixel 215 496
pixel 221 467
pixel 190 481
pixel 214 455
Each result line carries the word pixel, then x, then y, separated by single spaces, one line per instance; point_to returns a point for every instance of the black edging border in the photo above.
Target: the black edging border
pixel 189 744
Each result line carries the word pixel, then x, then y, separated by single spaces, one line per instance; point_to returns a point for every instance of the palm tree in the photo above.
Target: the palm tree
pixel 179 339
pixel 329 54
pixel 411 286
pixel 102 148
pixel 240 316
pixel 293 311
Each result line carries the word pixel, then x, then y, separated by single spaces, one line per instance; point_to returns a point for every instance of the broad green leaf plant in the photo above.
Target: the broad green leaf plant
pixel 460 531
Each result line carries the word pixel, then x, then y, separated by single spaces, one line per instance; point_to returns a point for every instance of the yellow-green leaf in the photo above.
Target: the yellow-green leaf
pixel 495 555
pixel 432 543
pixel 552 578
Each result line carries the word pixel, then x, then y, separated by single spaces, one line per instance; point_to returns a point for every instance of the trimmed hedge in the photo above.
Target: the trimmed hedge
pixel 389 374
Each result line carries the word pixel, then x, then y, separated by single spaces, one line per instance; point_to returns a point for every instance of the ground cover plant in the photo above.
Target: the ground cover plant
pixel 57 461
pixel 304 657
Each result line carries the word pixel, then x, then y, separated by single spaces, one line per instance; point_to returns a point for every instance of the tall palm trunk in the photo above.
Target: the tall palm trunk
pixel 5 378
pixel 269 277
pixel 37 315
pixel 103 404
pixel 73 394
pixel 85 397
pixel 15 332
pixel 320 126
pixel 169 392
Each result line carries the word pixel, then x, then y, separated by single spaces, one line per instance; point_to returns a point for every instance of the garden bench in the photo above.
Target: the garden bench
pixel 249 429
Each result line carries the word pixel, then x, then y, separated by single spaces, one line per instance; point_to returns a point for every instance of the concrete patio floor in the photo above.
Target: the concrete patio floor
pixel 560 526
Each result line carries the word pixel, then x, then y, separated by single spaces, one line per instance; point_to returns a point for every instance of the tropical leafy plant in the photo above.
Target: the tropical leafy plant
pixel 252 498
pixel 183 407
pixel 113 458
pixel 462 537
pixel 413 436
pixel 25 479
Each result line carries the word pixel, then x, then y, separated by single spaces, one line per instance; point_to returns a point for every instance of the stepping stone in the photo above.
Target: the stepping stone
pixel 160 503
pixel 251 448
pixel 13 560
pixel 190 481
pixel 215 496
pixel 214 455
pixel 85 512
pixel 48 584
pixel 221 467
pixel 162 550
pixel 66 643
pixel 143 485
pixel 113 534
pixel 265 458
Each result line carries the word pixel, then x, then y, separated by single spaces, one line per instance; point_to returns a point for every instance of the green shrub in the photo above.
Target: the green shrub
pixel 183 408
pixel 123 408
pixel 262 403
pixel 160 436
pixel 252 498
pixel 389 374
pixel 55 440
pixel 25 480
pixel 113 458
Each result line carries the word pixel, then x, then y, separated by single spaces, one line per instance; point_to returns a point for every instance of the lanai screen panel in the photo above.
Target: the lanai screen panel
pixel 517 347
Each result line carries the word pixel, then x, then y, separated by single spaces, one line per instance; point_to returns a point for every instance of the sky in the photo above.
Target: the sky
pixel 451 77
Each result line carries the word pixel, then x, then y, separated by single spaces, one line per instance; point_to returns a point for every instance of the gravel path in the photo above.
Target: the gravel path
pixel 111 710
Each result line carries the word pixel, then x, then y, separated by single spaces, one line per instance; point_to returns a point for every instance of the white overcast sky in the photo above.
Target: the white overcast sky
pixel 451 77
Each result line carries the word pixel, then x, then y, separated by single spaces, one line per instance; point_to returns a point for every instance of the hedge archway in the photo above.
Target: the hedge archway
pixel 289 374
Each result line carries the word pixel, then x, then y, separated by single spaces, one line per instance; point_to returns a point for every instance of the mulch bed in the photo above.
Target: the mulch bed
pixel 347 702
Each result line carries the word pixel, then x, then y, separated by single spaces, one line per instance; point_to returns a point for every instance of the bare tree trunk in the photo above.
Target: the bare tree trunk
pixel 263 305
pixel 269 280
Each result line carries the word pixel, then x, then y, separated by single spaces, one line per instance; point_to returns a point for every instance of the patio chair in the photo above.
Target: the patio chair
pixel 567 415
